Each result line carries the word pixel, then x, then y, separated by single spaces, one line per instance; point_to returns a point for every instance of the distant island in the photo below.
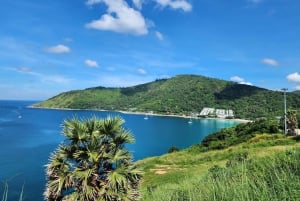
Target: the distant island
pixel 182 95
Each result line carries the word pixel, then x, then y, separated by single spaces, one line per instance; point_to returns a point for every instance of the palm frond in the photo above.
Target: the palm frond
pixel 111 125
pixel 117 179
pixel 21 194
pixel 119 157
pixel 123 137
pixel 92 163
pixel 5 192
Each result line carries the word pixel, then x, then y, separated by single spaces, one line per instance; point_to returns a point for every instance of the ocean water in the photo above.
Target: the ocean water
pixel 29 135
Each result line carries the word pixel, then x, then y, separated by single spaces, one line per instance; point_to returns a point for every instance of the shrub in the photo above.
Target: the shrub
pixel 173 149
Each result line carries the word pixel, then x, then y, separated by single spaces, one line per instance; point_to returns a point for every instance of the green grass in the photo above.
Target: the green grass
pixel 267 167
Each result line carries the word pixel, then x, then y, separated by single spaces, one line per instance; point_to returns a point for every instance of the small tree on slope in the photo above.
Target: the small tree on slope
pixel 292 121
pixel 92 163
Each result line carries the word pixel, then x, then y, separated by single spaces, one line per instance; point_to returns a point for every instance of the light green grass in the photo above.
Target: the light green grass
pixel 264 168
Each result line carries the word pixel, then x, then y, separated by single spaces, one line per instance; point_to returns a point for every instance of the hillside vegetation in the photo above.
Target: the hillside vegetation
pixel 264 165
pixel 183 95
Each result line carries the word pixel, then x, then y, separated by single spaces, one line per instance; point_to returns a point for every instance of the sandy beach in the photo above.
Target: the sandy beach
pixel 146 113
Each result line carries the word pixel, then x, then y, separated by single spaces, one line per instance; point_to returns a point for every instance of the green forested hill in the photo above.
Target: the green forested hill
pixel 183 94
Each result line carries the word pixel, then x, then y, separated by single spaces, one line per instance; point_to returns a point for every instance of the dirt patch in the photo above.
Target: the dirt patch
pixel 160 172
pixel 163 169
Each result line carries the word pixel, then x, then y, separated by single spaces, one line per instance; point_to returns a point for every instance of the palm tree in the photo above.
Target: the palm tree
pixel 92 163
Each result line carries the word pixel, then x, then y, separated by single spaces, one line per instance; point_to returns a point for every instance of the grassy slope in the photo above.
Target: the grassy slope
pixel 187 171
pixel 179 95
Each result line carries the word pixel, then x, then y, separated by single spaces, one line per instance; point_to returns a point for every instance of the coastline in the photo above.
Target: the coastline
pixel 144 113
pixel 182 116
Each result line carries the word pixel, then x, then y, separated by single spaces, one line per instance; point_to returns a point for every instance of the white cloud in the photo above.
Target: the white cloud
pixel 270 62
pixel 92 2
pixel 141 71
pixel 294 77
pixel 120 18
pixel 240 80
pixel 236 79
pixel 138 3
pixel 24 69
pixel 44 78
pixel 176 4
pixel 91 63
pixel 58 49
pixel 297 87
pixel 159 35
pixel 246 83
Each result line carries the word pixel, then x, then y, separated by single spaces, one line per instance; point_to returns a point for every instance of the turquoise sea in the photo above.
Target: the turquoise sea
pixel 28 136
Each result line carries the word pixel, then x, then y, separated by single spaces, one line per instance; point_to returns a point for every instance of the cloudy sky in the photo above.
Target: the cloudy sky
pixel 52 46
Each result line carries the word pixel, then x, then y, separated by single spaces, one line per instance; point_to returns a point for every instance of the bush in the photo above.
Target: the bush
pixel 240 133
pixel 173 149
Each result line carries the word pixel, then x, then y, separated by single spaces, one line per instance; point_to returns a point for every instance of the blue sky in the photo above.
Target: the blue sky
pixel 51 46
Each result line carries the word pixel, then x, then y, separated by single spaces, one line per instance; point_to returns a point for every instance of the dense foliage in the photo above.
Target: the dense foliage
pixel 92 164
pixel 184 94
pixel 240 133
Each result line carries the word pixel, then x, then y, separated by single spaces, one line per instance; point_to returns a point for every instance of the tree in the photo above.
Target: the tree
pixel 292 123
pixel 92 163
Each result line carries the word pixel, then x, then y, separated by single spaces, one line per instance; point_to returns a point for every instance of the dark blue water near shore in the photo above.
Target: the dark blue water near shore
pixel 28 136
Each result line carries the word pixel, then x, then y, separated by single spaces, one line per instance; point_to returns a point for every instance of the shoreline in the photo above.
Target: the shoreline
pixel 144 113
pixel 182 116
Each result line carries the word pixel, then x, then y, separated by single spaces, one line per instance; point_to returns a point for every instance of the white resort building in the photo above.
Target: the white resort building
pixel 220 113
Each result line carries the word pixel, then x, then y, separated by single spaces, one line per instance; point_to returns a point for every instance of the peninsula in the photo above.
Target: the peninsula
pixel 182 95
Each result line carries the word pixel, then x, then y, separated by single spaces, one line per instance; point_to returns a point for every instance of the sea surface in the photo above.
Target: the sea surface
pixel 29 135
